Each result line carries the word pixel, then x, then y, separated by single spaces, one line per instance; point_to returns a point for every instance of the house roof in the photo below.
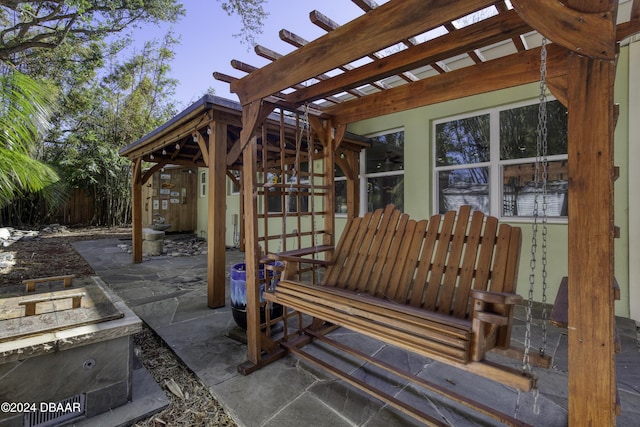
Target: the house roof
pixel 204 104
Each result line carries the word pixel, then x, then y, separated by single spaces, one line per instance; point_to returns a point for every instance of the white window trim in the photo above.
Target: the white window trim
pixel 494 164
pixel 202 186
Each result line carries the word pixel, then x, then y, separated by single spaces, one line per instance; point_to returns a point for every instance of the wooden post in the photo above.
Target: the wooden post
pixel 329 202
pixel 592 379
pixel 249 169
pixel 353 185
pixel 136 210
pixel 216 221
pixel 241 217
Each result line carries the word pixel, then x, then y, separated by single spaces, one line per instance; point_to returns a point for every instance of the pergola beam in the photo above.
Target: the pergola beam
pixel 274 56
pixel 386 24
pixel 513 70
pixel 329 25
pixel 247 68
pixel 297 41
pixel 588 33
pixel 491 30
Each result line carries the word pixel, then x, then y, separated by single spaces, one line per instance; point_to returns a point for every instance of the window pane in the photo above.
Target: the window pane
pixel 518 192
pixel 386 153
pixel 464 187
pixel 274 194
pixel 235 189
pixel 296 194
pixel 384 190
pixel 463 141
pixel 293 202
pixel 518 131
pixel 341 195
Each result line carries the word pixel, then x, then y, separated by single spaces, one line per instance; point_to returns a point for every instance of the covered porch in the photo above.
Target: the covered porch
pixel 206 135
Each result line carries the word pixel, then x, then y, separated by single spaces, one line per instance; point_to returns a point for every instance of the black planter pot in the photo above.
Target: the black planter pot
pixel 238 285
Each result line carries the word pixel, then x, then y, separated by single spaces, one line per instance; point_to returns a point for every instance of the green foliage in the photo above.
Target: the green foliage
pixel 100 116
pixel 29 26
pixel 252 14
pixel 24 117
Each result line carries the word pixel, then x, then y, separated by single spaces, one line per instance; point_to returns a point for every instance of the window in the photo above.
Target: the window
pixel 274 193
pixel 382 171
pixel 340 183
pixel 488 161
pixel 203 184
pixel 292 185
pixel 234 187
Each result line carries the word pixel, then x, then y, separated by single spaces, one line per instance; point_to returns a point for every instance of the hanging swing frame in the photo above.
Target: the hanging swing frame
pixel 581 76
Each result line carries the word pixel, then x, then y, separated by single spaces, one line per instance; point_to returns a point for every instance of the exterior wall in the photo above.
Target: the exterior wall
pixel 171 195
pixel 233 208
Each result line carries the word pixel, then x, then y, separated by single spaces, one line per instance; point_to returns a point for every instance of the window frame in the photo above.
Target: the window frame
pixel 233 189
pixel 203 179
pixel 336 179
pixel 494 164
pixel 363 176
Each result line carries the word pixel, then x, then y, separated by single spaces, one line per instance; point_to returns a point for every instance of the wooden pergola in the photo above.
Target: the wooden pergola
pixel 581 63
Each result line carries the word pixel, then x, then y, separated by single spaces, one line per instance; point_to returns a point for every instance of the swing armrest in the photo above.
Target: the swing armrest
pixel 297 255
pixel 491 310
pixel 291 260
pixel 496 297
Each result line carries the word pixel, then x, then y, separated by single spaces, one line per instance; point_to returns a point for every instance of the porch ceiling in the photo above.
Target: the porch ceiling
pixel 387 60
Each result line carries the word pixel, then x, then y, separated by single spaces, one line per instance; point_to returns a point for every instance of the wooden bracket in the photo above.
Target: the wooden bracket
pixel 197 136
pixel 587 34
pixel 339 135
pixel 253 115
pixel 148 174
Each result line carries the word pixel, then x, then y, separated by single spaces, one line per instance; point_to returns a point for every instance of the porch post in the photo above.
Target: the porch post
pixel 592 378
pixel 136 210
pixel 216 221
pixel 250 224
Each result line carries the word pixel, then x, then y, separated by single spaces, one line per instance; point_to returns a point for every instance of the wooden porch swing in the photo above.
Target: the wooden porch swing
pixel 442 288
pixel 377 278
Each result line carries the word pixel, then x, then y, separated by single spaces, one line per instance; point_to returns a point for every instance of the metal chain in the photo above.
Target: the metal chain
pixel 539 177
pixel 542 141
pixel 312 190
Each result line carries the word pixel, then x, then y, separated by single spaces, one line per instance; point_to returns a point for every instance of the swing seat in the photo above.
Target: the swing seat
pixel 442 288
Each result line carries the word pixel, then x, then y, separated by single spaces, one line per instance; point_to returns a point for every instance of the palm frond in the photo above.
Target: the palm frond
pixel 24 117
